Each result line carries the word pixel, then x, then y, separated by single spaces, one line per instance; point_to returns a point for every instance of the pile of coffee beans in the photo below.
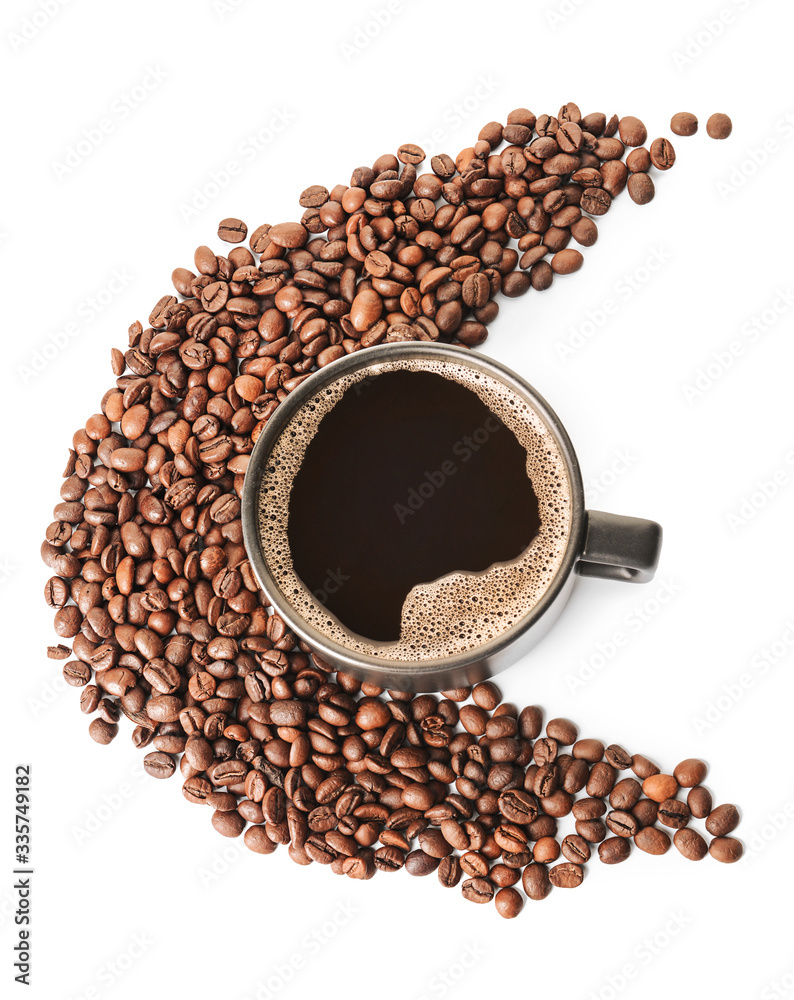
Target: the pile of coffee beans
pixel 152 585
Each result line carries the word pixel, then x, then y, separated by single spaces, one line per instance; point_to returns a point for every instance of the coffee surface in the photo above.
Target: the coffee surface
pixel 409 477
pixel 441 615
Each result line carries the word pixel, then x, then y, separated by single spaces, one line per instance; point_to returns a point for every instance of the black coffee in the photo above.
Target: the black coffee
pixel 408 478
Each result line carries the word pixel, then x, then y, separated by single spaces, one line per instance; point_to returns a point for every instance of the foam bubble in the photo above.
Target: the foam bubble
pixel 461 610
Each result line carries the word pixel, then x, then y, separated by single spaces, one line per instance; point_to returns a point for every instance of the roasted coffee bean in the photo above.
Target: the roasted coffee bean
pixel 662 154
pixel 477 890
pixel 536 881
pixel 684 123
pixel 719 126
pixel 575 848
pixel 652 840
pixel 722 820
pixel 632 131
pixel 690 772
pixel 674 813
pixel 613 850
pixel 726 849
pixel 159 765
pixel 563 731
pixel 449 872
pixel 699 802
pixel 509 902
pixel 566 875
pixel 659 787
pixel 419 863
pixel 641 188
pixel 690 844
pixel 622 823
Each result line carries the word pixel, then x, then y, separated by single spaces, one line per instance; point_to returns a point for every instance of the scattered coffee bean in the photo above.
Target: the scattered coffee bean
pixel 613 850
pixel 662 154
pixel 652 840
pixel 699 802
pixel 690 772
pixel 566 875
pixel 719 126
pixel 509 903
pixel 722 820
pixel 684 123
pixel 690 844
pixel 726 849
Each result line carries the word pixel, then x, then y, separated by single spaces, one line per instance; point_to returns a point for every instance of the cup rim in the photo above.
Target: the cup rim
pixel 358 663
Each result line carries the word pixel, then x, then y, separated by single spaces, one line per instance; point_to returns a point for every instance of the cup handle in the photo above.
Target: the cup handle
pixel 620 548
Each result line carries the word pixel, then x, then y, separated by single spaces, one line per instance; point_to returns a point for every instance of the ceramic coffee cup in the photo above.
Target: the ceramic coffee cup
pixel 595 544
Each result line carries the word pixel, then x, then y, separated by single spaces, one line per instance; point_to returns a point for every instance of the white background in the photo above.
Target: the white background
pixel 133 888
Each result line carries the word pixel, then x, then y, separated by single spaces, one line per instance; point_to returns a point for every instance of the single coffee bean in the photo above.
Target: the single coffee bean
pixel 477 890
pixel 662 154
pixel 690 772
pixel 659 787
pixel 643 767
pixel 621 823
pixel 509 903
pixel 419 863
pixel 645 812
pixel 683 123
pixel 159 765
pixel 632 131
pixel 674 813
pixel 652 840
pixel 613 850
pixel 449 871
pixel 232 231
pixel 699 802
pixel 566 262
pixel 575 848
pixel 566 875
pixel 638 161
pixel 536 881
pixel 690 844
pixel 722 820
pixel 641 188
pixel 719 126
pixel 726 849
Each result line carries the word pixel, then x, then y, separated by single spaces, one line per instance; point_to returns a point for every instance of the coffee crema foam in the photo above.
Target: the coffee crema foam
pixel 461 610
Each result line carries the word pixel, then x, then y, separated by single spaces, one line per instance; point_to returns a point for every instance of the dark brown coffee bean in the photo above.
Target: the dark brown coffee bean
pixel 674 813
pixel 690 772
pixel 419 863
pixel 621 823
pixel 449 872
pixel 690 844
pixel 562 730
pixel 509 902
pixel 652 840
pixel 477 890
pixel 722 820
pixel 613 850
pixel 699 802
pixel 536 881
pixel 575 848
pixel 726 849
pixel 566 875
